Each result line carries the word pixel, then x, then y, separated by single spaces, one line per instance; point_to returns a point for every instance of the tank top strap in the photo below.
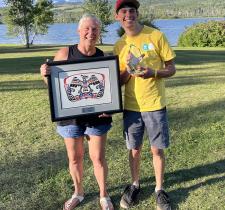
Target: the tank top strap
pixel 72 52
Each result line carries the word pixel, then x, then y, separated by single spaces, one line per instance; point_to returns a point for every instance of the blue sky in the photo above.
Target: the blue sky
pixel 1 3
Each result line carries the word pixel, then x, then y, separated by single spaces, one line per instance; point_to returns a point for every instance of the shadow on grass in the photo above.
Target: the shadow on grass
pixel 34 48
pixel 191 57
pixel 29 175
pixel 22 65
pixel 184 117
pixel 21 85
pixel 194 80
pixel 185 175
pixel 180 176
pixel 28 64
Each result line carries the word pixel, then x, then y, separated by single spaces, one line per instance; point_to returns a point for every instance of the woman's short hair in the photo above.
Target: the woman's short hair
pixel 89 16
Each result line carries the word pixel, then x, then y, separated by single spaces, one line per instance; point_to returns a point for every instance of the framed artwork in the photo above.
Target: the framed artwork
pixel 84 87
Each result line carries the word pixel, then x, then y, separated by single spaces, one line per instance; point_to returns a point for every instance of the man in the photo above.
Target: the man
pixel 94 128
pixel 145 60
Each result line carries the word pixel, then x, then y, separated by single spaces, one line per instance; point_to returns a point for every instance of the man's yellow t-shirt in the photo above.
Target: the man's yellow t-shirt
pixel 145 94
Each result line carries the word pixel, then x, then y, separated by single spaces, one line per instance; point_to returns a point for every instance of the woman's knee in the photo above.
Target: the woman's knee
pixel 76 158
pixel 97 160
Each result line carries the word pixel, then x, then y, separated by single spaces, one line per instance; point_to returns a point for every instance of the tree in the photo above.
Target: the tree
pixel 102 10
pixel 27 19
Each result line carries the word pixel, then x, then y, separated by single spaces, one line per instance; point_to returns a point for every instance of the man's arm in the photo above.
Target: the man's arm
pixel 168 71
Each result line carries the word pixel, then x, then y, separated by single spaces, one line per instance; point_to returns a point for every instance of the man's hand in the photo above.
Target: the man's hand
pixel 145 72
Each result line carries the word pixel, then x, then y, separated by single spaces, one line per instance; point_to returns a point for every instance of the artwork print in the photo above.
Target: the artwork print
pixel 85 88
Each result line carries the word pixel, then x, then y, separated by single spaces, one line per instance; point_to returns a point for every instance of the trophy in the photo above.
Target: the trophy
pixel 135 58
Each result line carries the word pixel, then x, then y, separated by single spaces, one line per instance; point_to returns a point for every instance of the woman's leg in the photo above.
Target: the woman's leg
pixel 75 153
pixel 97 155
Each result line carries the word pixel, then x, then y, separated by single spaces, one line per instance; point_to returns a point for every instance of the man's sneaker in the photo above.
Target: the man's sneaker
pixel 129 196
pixel 162 200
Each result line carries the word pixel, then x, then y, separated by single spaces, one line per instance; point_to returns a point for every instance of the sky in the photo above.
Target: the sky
pixel 1 3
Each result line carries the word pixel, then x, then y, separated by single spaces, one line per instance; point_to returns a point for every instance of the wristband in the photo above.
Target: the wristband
pixel 156 73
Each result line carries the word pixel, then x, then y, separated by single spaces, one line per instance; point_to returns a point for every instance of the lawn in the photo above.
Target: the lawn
pixel 33 163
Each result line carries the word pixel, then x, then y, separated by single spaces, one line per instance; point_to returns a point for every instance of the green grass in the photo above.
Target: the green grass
pixel 33 162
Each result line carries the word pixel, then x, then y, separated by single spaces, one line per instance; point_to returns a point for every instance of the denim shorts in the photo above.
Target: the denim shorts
pixel 155 123
pixel 76 131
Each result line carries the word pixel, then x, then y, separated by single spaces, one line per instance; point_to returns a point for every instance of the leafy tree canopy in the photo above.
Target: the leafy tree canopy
pixel 27 18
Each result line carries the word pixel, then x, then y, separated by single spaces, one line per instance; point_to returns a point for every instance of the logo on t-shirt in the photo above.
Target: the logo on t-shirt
pixel 147 47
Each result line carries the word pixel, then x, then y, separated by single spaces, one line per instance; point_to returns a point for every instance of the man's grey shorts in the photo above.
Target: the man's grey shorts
pixel 156 125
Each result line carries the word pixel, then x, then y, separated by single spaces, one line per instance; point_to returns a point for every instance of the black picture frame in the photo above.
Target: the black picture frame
pixel 84 87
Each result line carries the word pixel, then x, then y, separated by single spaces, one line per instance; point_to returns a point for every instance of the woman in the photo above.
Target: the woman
pixel 95 127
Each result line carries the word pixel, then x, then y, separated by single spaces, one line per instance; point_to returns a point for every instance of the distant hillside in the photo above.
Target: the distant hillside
pixel 66 11
pixel 151 8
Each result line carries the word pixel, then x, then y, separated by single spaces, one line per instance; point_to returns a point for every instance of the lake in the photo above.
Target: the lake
pixel 65 33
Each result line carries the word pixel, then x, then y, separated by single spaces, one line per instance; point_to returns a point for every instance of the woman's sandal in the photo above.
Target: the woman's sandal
pixel 73 202
pixel 106 203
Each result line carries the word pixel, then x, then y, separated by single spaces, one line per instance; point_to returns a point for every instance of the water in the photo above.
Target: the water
pixel 65 33
pixel 174 27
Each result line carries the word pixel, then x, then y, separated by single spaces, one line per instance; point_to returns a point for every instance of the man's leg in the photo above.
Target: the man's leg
pixel 132 191
pixel 133 131
pixel 159 166
pixel 157 129
pixel 134 161
pixel 162 199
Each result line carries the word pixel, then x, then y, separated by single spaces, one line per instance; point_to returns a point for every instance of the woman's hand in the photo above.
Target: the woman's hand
pixel 104 115
pixel 45 70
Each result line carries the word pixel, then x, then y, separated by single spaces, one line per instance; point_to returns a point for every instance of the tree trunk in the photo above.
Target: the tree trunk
pixel 27 37
pixel 100 40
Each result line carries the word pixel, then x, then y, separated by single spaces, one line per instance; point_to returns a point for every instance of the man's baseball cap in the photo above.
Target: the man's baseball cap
pixel 120 3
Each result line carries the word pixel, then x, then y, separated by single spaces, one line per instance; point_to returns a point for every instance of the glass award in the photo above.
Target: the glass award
pixel 135 58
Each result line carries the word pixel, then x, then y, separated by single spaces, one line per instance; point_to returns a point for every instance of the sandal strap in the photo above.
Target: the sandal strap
pixel 104 201
pixel 79 197
pixel 70 203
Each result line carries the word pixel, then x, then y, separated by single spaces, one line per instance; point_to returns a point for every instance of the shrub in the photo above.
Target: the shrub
pixel 210 34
